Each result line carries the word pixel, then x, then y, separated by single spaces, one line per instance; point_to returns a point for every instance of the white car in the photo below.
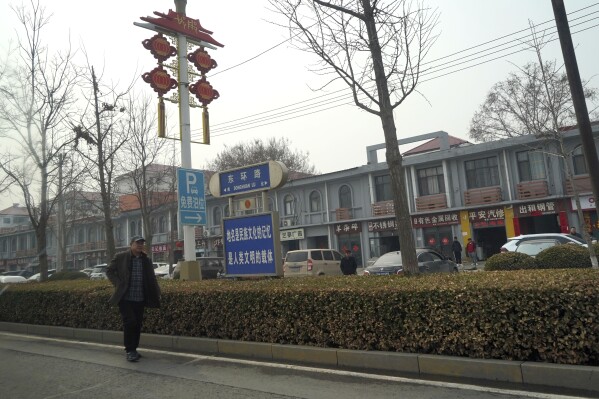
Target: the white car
pixel 99 272
pixel 36 276
pixel 12 279
pixel 532 244
pixel 161 270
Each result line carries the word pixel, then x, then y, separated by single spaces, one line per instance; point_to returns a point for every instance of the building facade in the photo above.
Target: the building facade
pixel 488 192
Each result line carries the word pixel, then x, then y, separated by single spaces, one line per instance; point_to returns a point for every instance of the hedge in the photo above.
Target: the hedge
pixel 526 315
pixel 510 261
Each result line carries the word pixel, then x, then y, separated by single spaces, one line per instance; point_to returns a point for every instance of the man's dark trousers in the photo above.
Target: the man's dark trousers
pixel 132 314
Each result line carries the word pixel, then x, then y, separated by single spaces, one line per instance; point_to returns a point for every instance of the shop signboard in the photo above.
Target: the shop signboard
pixel 294 234
pixel 434 220
pixel 587 202
pixel 488 217
pixel 538 208
pixel 348 228
pixel 382 225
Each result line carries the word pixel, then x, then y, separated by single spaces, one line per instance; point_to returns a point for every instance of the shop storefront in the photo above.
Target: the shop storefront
pixel 383 237
pixel 290 239
pixel 540 217
pixel 589 212
pixel 488 230
pixel 437 230
pixel 349 238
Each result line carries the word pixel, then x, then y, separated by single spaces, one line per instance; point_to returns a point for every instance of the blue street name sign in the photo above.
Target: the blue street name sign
pixel 252 178
pixel 192 198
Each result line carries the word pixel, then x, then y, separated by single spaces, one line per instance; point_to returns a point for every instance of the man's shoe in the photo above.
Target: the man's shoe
pixel 132 356
pixel 137 354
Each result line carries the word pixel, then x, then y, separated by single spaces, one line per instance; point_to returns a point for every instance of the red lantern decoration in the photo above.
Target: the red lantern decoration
pixel 202 60
pixel 159 80
pixel 203 91
pixel 160 48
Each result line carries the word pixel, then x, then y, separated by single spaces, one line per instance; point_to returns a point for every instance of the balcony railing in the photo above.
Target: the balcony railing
pixel 343 214
pixel 532 189
pixel 383 208
pixel 582 184
pixel 481 196
pixel 431 202
pixel 89 246
pixel 26 252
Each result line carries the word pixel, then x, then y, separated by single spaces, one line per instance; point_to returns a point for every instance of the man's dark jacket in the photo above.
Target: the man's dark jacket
pixel 119 274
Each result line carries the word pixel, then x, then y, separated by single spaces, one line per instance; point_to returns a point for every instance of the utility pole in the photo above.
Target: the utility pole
pixel 189 243
pixel 60 229
pixel 580 106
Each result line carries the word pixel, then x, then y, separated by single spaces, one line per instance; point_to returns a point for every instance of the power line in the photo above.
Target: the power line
pixel 310 104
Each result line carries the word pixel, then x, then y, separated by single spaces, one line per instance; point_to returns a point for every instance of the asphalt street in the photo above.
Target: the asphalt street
pixel 33 367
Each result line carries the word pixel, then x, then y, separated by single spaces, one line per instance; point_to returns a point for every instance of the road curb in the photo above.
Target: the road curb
pixel 583 378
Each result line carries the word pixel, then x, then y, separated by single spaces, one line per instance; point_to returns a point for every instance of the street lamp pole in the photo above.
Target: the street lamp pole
pixel 189 246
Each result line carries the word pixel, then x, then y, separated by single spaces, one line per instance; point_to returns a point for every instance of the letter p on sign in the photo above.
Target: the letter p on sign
pixel 190 180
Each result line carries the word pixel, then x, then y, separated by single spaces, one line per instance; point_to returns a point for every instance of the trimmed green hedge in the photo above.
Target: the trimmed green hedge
pixel 510 261
pixel 526 315
pixel 564 256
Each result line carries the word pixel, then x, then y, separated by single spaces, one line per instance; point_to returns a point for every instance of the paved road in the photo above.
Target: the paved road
pixel 36 367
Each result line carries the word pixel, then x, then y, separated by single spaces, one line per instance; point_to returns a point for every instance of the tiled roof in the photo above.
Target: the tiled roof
pixel 15 210
pixel 433 145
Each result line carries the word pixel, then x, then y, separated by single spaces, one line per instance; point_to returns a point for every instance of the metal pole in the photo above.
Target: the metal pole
pixel 189 246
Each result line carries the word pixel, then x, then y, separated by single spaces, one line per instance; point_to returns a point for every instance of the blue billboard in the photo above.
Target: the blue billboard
pixel 251 245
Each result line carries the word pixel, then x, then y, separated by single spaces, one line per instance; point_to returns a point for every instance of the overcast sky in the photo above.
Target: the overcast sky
pixel 278 81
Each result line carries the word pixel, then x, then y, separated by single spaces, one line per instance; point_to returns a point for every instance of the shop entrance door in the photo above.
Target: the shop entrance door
pixel 440 239
pixel 490 239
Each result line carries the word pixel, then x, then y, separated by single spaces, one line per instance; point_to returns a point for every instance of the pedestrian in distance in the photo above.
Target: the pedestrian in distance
pixel 574 232
pixel 135 287
pixel 471 251
pixel 348 264
pixel 456 248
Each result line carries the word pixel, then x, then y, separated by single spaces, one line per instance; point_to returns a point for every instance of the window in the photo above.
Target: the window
pixel 431 180
pixel 271 204
pixel 80 236
pixel 531 165
pixel 162 224
pixel 345 197
pixel 382 188
pixel 580 165
pixel 315 201
pixel 425 257
pixel 217 216
pixel 482 172
pixel 6 220
pixel 91 234
pixel 288 201
pixel 227 214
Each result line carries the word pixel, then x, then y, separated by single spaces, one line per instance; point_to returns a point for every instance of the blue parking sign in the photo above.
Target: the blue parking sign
pixel 192 198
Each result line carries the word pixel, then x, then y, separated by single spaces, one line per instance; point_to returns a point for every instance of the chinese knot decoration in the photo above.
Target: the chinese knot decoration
pixel 202 60
pixel 159 80
pixel 204 91
pixel 160 47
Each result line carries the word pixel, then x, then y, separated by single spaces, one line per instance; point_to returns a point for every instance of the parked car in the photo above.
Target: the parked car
pixel 88 271
pixel 36 276
pixel 532 244
pixel 429 261
pixel 211 267
pixel 99 272
pixel 162 270
pixel 312 262
pixel 23 273
pixel 12 279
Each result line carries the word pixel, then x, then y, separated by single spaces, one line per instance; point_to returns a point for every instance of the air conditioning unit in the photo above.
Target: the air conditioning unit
pixel 287 223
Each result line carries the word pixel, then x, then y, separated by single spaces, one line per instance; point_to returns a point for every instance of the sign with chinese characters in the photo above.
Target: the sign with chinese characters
pixel 348 228
pixel 179 23
pixel 294 234
pixel 192 198
pixel 536 209
pixel 488 217
pixel 252 246
pixel 586 202
pixel 160 248
pixel 259 177
pixel 439 219
pixel 382 225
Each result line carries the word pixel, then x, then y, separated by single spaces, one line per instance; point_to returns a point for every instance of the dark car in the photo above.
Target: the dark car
pixel 211 268
pixel 429 261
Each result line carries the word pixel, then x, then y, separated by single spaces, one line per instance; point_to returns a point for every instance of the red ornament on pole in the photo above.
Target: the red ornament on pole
pixel 203 91
pixel 202 60
pixel 159 80
pixel 160 48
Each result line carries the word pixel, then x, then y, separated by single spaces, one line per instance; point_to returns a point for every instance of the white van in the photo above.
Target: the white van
pixel 312 262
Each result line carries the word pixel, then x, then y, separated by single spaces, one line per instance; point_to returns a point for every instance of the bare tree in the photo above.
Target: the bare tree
pixel 376 48
pixel 143 155
pixel 257 151
pixel 535 100
pixel 98 125
pixel 36 97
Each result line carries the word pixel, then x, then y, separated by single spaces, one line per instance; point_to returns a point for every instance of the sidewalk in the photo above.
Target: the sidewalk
pixel 485 371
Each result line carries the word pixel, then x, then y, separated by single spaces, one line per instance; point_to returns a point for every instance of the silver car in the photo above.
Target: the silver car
pixel 99 272
pixel 532 244
pixel 429 261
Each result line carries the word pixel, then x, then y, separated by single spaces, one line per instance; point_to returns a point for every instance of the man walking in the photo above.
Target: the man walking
pixel 135 287
pixel 348 264
pixel 456 248
pixel 471 251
